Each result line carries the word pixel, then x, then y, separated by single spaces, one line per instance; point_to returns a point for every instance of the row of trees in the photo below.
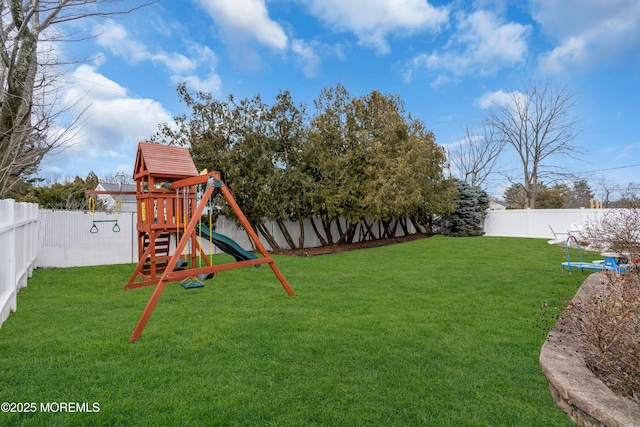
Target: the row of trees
pixel 571 195
pixel 361 160
pixel 557 196
pixel 66 195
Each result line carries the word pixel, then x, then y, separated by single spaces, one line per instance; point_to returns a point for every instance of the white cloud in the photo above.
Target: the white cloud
pixel 372 21
pixel 113 124
pixel 588 31
pixel 207 61
pixel 482 44
pixel 211 84
pixel 242 18
pixel 116 39
pixel 110 109
pixel 500 98
pixel 307 56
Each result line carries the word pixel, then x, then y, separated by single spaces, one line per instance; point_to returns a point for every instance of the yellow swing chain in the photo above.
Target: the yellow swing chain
pixel 210 237
pixel 92 205
pixel 178 219
pixel 117 205
pixel 185 214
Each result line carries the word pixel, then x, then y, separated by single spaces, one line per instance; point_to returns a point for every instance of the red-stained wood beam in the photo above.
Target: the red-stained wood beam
pixel 254 236
pixel 195 180
pixel 191 227
pixel 170 275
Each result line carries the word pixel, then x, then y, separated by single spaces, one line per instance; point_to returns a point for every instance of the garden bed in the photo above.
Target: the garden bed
pixel 331 249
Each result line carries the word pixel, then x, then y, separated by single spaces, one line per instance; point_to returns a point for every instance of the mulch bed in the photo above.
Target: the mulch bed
pixel 326 250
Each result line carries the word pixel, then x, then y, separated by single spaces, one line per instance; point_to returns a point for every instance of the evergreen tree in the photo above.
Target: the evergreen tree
pixel 555 197
pixel 514 196
pixel 581 195
pixel 471 210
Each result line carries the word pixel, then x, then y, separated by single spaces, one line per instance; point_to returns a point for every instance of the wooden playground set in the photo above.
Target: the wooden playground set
pixel 171 198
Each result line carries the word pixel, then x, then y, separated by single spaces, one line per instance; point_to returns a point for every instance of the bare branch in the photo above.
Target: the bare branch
pixel 29 100
pixel 539 125
pixel 475 158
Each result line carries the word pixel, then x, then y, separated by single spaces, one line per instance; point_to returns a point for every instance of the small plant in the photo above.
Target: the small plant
pixel 617 231
pixel 607 324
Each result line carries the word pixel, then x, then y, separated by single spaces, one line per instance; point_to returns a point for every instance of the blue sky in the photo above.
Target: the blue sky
pixel 442 57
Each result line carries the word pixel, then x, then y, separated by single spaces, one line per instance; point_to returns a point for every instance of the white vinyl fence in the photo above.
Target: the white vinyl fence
pixel 66 238
pixel 537 223
pixel 18 250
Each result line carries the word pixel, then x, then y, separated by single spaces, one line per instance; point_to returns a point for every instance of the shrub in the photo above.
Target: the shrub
pixel 607 324
pixel 471 210
pixel 618 230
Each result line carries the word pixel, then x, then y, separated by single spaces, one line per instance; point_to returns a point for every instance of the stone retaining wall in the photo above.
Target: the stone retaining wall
pixel 586 399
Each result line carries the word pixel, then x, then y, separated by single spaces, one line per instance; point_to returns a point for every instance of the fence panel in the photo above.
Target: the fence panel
pixel 18 251
pixel 67 240
pixel 537 222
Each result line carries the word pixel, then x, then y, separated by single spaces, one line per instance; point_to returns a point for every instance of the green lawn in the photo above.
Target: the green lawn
pixel 440 331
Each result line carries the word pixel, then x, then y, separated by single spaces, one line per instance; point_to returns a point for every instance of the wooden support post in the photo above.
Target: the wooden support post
pixel 254 236
pixel 170 274
pixel 170 266
pixel 130 284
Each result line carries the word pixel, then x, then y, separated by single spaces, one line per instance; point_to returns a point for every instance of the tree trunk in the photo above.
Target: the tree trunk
pixel 347 236
pixel 301 223
pixel 16 138
pixel 420 226
pixel 390 231
pixel 417 226
pixel 339 225
pixel 367 230
pixel 326 224
pixel 268 236
pixel 323 242
pixel 285 233
pixel 254 248
pixel 404 225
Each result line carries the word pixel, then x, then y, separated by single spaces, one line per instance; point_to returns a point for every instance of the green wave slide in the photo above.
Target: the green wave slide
pixel 225 244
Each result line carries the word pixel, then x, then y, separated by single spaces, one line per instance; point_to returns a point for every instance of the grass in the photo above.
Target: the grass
pixel 437 332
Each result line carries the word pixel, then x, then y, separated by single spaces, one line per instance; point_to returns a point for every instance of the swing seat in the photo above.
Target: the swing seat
pixel 191 284
pixel 204 276
pixel 182 264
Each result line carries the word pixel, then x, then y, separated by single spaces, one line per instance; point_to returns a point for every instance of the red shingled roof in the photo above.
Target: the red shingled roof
pixel 164 161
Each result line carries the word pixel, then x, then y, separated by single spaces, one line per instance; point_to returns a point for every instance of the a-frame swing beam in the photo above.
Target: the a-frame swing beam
pixel 169 275
pixel 176 275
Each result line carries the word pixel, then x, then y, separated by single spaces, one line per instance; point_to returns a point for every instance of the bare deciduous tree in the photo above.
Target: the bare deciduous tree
pixel 539 124
pixel 476 156
pixel 28 107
